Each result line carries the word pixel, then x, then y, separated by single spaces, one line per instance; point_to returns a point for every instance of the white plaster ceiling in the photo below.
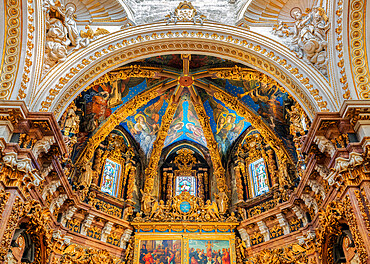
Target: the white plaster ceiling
pixel 267 12
pixel 100 12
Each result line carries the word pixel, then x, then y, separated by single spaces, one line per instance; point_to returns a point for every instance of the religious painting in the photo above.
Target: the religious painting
pixel 160 252
pixel 185 184
pixel 209 252
pixel 95 104
pixel 268 101
pixel 259 177
pixel 185 124
pixel 174 61
pixel 100 101
pixel 226 124
pixel 145 123
pixel 111 173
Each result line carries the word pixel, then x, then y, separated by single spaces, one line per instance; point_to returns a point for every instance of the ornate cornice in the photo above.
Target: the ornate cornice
pixel 65 81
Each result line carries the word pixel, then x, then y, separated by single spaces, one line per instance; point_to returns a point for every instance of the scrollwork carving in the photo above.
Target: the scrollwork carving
pixel 184 207
pixel 293 254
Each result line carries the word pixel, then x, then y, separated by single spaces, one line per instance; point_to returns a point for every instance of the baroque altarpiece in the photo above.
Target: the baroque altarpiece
pixel 223 133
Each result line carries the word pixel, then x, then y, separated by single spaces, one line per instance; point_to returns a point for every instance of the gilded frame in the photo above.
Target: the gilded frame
pixel 185 238
pixel 156 236
pixel 250 175
pixel 118 187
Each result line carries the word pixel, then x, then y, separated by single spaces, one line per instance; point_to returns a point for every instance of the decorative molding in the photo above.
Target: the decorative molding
pixel 358 53
pixel 101 57
pixel 343 81
pixel 11 224
pixel 12 47
pixel 218 169
pixel 29 51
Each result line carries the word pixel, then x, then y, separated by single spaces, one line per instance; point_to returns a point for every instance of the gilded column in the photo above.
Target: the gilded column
pixel 238 178
pixel 169 186
pixel 200 185
pixel 131 183
pixel 272 167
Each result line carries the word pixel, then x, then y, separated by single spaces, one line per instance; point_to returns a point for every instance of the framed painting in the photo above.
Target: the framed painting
pixel 158 250
pixel 185 248
pixel 210 251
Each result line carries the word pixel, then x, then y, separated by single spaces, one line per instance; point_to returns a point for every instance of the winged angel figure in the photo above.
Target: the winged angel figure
pixel 91 34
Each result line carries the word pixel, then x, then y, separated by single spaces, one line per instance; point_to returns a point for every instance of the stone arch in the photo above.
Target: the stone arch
pixel 64 82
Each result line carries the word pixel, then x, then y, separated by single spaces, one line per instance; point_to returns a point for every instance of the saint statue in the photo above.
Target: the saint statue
pixel 222 201
pixel 86 175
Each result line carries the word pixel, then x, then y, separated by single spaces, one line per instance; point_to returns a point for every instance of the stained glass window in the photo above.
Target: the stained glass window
pixel 110 177
pixel 259 177
pixel 185 183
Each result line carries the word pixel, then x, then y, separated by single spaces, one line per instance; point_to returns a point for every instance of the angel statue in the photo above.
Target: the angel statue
pixel 211 210
pixel 222 201
pixel 86 175
pixel 146 202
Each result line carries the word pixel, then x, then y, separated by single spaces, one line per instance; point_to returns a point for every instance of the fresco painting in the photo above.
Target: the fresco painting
pixel 174 61
pixel 145 123
pixel 226 124
pixel 160 252
pixel 209 252
pixel 185 124
pixel 95 104
pixel 269 102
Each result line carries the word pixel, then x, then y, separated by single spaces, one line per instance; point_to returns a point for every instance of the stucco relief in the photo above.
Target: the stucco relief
pixel 308 37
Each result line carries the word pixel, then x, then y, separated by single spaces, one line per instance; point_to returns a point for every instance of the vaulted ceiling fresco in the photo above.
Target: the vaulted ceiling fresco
pixel 185 124
pixel 261 95
pixel 145 123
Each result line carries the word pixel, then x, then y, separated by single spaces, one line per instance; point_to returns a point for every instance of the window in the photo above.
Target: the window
pixel 110 177
pixel 259 177
pixel 185 183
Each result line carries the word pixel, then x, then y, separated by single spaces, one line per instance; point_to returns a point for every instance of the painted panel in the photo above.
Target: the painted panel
pixel 270 103
pixel 145 123
pixel 226 124
pixel 259 177
pixel 185 184
pixel 160 251
pixel 209 252
pixel 110 178
pixel 185 124
pixel 185 247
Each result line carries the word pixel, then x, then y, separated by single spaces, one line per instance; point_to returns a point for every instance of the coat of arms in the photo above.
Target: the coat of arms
pixel 185 12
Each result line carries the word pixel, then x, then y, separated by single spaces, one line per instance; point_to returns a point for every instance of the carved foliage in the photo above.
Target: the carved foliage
pixel 294 254
pixel 74 254
pixel 330 229
pixel 10 227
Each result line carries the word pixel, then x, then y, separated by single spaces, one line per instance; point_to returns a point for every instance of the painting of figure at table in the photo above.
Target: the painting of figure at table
pixel 209 252
pixel 160 252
